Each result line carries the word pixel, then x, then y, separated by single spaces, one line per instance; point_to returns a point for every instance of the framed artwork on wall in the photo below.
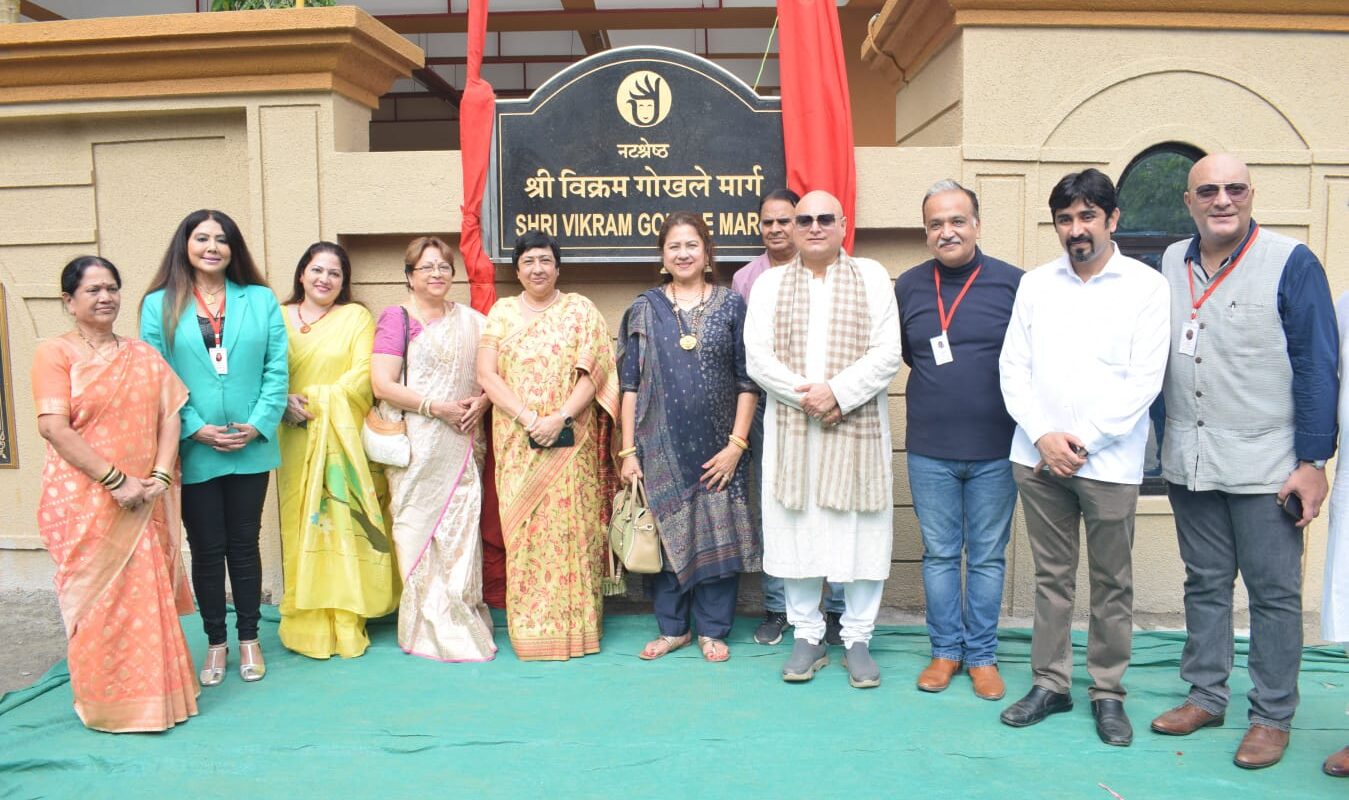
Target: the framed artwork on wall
pixel 9 457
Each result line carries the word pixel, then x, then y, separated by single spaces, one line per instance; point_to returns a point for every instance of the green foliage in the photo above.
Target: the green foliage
pixel 249 5
pixel 1150 196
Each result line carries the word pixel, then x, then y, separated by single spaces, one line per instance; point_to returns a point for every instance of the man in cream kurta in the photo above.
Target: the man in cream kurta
pixel 836 520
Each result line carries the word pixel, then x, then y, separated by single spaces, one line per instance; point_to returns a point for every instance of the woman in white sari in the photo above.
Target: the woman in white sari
pixel 437 498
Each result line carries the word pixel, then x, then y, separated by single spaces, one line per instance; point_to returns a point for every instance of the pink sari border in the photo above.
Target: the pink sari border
pixel 468 456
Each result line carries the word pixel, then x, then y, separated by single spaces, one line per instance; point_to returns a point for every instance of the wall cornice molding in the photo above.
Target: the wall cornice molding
pixel 905 34
pixel 341 49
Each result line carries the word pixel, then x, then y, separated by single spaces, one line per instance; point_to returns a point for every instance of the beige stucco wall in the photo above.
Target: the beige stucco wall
pixel 1036 103
pixel 1002 109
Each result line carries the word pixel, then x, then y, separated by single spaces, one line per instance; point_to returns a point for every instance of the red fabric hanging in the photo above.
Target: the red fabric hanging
pixel 816 112
pixel 477 107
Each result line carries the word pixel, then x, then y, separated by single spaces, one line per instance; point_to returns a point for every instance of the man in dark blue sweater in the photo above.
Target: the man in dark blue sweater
pixel 953 312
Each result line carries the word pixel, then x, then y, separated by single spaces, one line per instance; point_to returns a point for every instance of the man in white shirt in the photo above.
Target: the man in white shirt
pixel 1083 360
pixel 822 340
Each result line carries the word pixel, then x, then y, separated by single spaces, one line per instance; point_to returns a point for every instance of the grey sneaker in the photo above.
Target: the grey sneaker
pixel 833 628
pixel 805 660
pixel 862 670
pixel 770 630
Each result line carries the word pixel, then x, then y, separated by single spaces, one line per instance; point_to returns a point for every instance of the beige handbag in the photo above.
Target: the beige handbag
pixel 632 531
pixel 384 434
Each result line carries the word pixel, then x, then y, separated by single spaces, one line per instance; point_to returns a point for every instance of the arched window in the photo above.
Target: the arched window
pixel 1152 216
pixel 1152 213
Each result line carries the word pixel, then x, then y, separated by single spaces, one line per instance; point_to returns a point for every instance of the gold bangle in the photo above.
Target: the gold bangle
pixel 631 451
pixel 738 442
pixel 118 480
pixel 107 475
pixel 518 413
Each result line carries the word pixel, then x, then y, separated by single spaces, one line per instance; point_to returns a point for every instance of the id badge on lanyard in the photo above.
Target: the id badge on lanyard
pixel 219 359
pixel 941 349
pixel 941 343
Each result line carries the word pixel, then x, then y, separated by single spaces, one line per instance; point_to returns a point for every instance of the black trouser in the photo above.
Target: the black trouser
pixel 223 517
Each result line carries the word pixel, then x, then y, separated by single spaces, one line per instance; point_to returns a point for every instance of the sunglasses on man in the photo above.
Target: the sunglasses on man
pixel 825 220
pixel 1236 192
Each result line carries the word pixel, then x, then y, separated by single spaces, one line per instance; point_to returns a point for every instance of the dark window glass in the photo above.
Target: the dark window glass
pixel 1152 216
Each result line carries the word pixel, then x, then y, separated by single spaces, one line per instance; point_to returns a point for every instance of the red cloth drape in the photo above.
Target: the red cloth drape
pixel 477 108
pixel 816 112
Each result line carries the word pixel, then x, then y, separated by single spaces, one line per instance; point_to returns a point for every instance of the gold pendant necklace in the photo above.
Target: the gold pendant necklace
pixel 306 327
pixel 688 340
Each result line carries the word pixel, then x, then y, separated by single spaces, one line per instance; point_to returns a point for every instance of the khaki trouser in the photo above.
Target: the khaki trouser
pixel 1054 509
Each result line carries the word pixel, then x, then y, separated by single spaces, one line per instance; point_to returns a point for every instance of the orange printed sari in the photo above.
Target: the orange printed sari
pixel 119 573
pixel 555 503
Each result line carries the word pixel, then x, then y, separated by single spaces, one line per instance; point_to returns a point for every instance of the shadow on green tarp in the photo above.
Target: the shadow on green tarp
pixel 390 725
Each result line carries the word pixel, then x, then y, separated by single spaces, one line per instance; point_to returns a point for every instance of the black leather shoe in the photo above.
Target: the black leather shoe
pixel 1035 706
pixel 1112 724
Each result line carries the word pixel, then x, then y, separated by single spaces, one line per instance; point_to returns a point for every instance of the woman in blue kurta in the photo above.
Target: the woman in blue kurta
pixel 687 407
pixel 213 318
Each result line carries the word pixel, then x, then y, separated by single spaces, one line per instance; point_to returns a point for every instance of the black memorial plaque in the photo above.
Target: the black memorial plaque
pixel 604 150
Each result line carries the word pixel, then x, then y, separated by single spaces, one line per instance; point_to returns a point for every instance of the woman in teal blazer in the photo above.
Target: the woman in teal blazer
pixel 211 315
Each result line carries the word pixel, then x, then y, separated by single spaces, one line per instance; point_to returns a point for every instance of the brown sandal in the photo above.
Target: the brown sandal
pixel 709 645
pixel 663 646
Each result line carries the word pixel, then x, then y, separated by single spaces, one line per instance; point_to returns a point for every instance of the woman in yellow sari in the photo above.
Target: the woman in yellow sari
pixel 546 360
pixel 336 555
pixel 108 408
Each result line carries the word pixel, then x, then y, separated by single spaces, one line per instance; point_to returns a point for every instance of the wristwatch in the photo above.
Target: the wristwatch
pixel 569 419
pixel 1319 463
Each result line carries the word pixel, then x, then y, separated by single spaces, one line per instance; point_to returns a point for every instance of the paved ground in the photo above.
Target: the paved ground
pixel 32 638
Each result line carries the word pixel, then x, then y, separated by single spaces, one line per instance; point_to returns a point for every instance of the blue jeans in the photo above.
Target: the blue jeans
pixel 774 595
pixel 964 508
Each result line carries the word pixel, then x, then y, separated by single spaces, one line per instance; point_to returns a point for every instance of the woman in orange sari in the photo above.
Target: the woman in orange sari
pixel 546 360
pixel 108 408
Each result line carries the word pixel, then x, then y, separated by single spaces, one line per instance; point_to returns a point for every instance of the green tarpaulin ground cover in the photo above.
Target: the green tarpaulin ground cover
pixel 611 725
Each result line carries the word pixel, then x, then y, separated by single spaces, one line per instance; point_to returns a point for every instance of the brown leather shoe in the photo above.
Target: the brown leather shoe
pixel 987 682
pixel 1337 766
pixel 1261 747
pixel 1185 719
pixel 938 674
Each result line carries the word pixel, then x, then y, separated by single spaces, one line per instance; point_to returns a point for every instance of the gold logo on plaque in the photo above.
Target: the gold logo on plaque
pixel 643 99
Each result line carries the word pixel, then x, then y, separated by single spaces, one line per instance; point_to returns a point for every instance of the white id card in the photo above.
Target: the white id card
pixel 1189 337
pixel 941 349
pixel 219 360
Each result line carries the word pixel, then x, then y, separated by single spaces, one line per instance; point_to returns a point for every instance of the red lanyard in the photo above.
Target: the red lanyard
pixel 1189 269
pixel 941 307
pixel 214 319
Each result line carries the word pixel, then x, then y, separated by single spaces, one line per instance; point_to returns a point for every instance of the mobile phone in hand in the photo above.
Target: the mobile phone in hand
pixel 1292 506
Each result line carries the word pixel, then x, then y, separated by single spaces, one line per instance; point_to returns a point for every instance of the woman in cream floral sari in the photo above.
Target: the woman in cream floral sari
pixel 547 361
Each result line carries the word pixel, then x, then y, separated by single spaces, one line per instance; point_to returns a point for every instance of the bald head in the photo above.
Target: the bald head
pixel 1224 166
pixel 1219 197
pixel 820 241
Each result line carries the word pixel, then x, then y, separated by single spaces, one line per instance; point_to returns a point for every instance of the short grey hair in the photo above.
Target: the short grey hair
pixel 950 185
